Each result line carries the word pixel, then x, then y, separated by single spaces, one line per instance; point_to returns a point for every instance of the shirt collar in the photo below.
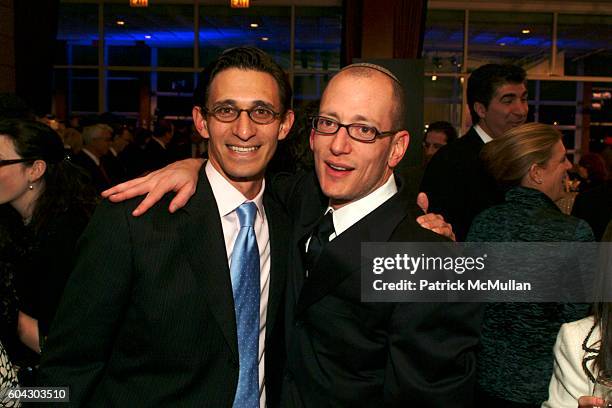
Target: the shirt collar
pixel 483 135
pixel 345 217
pixel 158 140
pixel 227 196
pixel 91 156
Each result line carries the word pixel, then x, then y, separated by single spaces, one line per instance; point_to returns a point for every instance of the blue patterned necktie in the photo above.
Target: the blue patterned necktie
pixel 244 272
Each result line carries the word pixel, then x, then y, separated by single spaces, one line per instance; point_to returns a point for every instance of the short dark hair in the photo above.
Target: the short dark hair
pixel 485 80
pixel 444 127
pixel 246 58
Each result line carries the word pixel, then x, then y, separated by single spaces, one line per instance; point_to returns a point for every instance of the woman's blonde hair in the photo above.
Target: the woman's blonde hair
pixel 509 157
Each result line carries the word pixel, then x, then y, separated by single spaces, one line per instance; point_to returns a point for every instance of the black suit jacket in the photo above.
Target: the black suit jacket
pixel 147 318
pixel 595 207
pixel 156 156
pixel 345 353
pixel 457 184
pixel 99 179
pixel 115 168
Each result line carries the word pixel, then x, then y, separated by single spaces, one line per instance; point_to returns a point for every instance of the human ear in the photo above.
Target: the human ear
pixel 399 145
pixel 286 123
pixel 480 109
pixel 200 122
pixel 36 170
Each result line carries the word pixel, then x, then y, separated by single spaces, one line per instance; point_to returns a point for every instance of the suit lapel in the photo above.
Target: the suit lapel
pixel 341 257
pixel 278 265
pixel 203 241
pixel 312 205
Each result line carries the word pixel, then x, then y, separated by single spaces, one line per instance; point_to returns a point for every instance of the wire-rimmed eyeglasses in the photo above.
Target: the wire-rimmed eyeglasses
pixel 14 161
pixel 258 114
pixel 357 131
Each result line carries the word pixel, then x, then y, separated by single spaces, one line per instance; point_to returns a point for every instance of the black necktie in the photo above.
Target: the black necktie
pixel 318 240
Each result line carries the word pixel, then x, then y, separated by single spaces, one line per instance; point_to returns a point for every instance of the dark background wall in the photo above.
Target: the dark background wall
pixel 35 29
pixel 7 49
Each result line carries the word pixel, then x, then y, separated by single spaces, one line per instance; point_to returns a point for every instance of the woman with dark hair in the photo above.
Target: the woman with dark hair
pixel 582 352
pixel 515 362
pixel 54 201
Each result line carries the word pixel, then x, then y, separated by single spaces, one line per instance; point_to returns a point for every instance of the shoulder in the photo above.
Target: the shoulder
pixel 452 160
pixel 111 212
pixel 487 224
pixel 576 331
pixel 576 229
pixel 409 230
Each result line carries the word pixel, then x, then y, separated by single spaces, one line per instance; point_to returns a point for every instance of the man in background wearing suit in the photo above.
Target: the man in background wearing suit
pixel 97 140
pixel 156 151
pixel 455 181
pixel 183 310
pixel 341 351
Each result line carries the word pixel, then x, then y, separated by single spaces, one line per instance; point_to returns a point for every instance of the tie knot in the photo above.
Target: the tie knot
pixel 246 214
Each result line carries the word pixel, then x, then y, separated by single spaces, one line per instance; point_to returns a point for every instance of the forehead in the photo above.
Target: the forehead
pixel 558 149
pixel 7 147
pixel 436 135
pixel 352 97
pixel 508 89
pixel 244 85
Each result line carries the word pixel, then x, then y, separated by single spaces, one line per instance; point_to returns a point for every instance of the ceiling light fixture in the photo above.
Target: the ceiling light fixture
pixel 139 3
pixel 120 22
pixel 254 25
pixel 526 31
pixel 148 37
pixel 264 38
pixel 239 3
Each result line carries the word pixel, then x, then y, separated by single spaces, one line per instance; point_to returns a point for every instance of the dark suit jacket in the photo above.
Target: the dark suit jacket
pixel 156 156
pixel 595 207
pixel 99 179
pixel 115 168
pixel 147 318
pixel 345 353
pixel 457 184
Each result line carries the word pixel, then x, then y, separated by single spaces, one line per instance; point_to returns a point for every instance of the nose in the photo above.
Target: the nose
pixel 244 127
pixel 568 164
pixel 521 108
pixel 341 143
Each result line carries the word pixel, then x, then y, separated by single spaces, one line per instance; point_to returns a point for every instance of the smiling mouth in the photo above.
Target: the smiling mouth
pixel 338 168
pixel 242 149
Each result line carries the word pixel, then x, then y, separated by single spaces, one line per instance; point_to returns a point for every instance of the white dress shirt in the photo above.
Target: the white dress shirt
pixel 483 135
pixel 228 199
pixel 348 215
pixel 91 156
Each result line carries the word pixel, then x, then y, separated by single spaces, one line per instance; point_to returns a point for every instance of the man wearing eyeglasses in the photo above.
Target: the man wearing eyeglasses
pixel 341 351
pixel 184 309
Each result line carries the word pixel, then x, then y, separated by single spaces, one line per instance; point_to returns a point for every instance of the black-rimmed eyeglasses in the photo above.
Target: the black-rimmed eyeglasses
pixel 14 161
pixel 258 114
pixel 357 131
